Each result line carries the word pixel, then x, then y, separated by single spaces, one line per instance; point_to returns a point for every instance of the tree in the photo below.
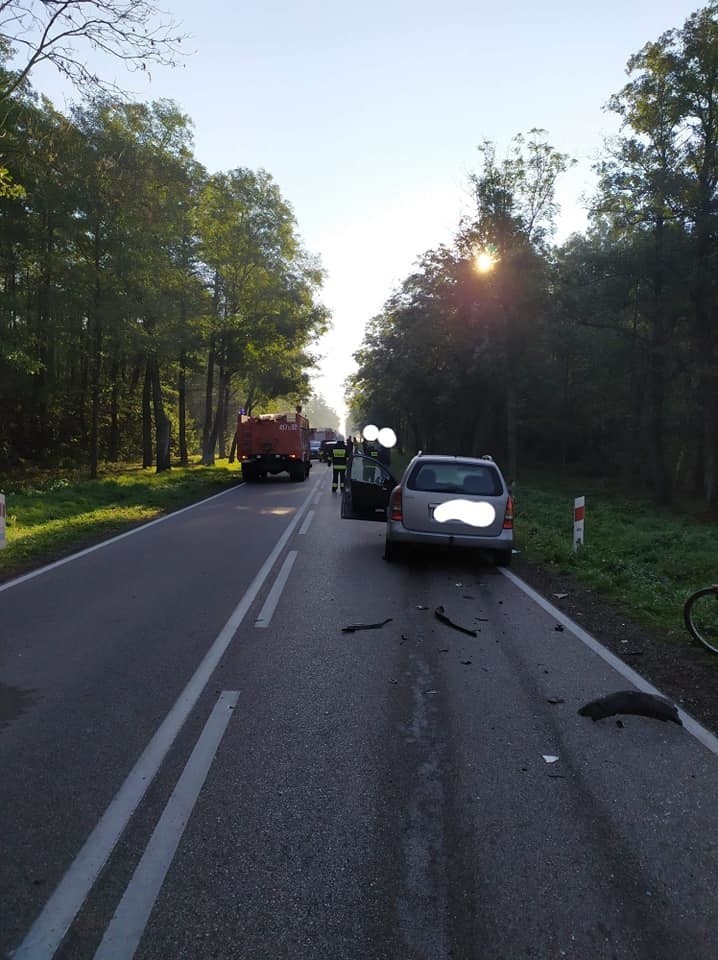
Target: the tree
pixel 638 194
pixel 135 32
pixel 320 413
pixel 663 181
pixel 515 210
pixel 262 286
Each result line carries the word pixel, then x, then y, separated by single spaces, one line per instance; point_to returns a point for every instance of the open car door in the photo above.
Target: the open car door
pixel 366 493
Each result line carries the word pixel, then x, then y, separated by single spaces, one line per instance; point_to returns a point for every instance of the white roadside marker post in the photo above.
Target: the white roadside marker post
pixel 579 510
pixel 2 521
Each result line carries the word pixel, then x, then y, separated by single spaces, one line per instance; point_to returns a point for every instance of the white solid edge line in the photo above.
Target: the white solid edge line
pixel 106 543
pixel 704 736
pixel 53 922
pixel 124 933
pixel 270 604
pixel 307 521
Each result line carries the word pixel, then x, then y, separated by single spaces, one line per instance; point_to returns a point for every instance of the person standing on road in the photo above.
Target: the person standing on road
pixel 339 465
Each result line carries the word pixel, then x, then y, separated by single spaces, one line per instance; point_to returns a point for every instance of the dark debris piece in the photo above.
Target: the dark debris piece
pixel 555 700
pixel 440 615
pixel 559 628
pixel 632 702
pixel 365 626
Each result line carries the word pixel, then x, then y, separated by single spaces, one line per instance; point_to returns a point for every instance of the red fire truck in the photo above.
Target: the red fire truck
pixel 273 443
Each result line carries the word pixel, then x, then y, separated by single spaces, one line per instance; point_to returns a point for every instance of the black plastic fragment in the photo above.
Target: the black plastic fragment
pixel 365 626
pixel 632 702
pixel 440 615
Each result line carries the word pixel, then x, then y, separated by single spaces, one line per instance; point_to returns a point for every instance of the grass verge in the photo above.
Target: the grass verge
pixel 52 514
pixel 645 559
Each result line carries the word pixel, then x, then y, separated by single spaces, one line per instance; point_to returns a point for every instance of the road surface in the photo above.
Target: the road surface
pixel 197 762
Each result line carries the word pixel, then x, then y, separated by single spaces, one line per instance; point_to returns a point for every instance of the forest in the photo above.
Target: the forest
pixel 598 355
pixel 144 298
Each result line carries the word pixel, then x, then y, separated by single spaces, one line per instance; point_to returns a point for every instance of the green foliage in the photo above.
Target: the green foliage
pixel 601 355
pixel 647 560
pixel 320 414
pixel 126 273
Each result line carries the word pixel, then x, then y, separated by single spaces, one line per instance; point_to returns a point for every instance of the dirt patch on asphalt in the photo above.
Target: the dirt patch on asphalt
pixel 682 671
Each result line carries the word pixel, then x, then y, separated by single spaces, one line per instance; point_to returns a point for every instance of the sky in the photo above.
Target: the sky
pixel 368 116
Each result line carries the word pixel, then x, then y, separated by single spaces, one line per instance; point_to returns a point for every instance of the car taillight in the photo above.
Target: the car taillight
pixel 509 515
pixel 395 504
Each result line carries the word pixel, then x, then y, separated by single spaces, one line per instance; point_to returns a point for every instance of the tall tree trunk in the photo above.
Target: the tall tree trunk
pixel 96 363
pixel 208 441
pixel 219 417
pixel 147 417
pixel 182 402
pixel 706 339
pixel 162 422
pixel 511 398
pixel 225 380
pixel 657 376
pixel 113 453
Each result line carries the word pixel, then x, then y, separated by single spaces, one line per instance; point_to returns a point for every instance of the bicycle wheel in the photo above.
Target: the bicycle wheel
pixel 701 616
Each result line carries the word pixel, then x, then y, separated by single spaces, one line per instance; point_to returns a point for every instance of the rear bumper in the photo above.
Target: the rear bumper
pixel 398 533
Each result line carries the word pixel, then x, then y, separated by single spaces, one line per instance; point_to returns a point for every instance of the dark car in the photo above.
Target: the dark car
pixel 325 450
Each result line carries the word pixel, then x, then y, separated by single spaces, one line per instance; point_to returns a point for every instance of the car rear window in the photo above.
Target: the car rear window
pixel 459 478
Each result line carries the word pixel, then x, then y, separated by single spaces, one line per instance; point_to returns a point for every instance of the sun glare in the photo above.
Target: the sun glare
pixel 484 262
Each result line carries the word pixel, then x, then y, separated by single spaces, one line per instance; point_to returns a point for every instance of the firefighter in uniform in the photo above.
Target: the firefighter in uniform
pixel 339 465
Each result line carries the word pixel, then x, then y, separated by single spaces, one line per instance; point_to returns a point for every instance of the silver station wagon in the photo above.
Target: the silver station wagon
pixel 440 501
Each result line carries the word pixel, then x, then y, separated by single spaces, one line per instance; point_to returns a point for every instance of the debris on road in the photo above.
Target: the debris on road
pixel 549 758
pixel 440 615
pixel 632 702
pixel 555 700
pixel 559 627
pixel 560 596
pixel 420 606
pixel 365 626
pixel 466 663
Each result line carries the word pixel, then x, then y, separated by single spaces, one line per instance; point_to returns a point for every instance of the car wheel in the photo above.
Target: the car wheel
pixel 502 558
pixel 392 551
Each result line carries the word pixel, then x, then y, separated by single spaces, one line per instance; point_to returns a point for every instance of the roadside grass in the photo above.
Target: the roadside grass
pixel 51 513
pixel 646 559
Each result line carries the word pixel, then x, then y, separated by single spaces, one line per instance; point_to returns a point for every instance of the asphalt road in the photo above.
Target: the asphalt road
pixel 197 762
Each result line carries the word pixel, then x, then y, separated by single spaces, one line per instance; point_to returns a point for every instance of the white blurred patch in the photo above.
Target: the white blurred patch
pixel 370 432
pixel 475 514
pixel 386 437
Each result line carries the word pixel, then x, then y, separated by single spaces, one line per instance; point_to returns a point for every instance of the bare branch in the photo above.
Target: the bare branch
pixel 136 32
